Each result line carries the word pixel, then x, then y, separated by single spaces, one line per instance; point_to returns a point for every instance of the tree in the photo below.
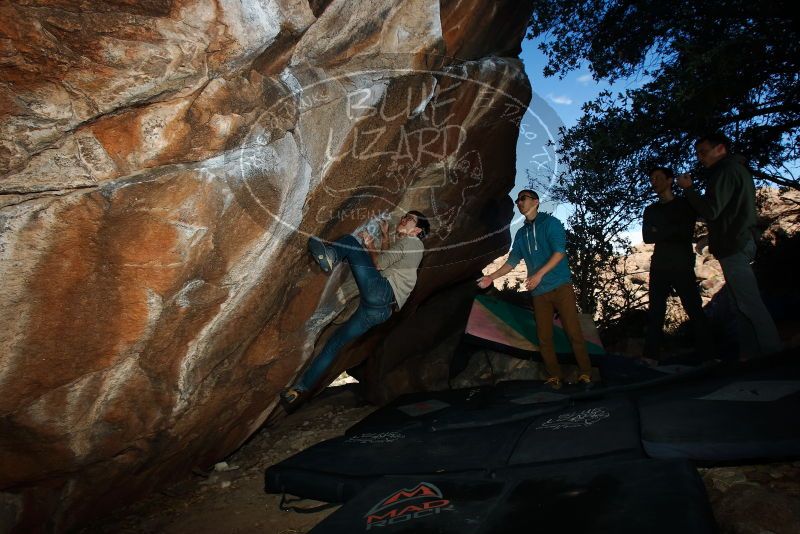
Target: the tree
pixel 729 65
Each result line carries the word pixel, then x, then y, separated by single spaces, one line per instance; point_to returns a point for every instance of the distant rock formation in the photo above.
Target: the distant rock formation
pixel 162 164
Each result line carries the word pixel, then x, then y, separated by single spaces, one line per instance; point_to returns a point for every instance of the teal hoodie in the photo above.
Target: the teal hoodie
pixel 536 242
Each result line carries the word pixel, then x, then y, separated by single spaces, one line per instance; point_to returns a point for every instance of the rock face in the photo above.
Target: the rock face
pixel 162 165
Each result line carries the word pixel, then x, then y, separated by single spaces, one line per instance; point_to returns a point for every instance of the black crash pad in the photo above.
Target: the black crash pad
pixel 463 408
pixel 653 496
pixel 336 469
pixel 747 414
pixel 603 428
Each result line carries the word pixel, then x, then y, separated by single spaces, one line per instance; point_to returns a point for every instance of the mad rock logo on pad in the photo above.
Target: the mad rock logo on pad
pixel 407 505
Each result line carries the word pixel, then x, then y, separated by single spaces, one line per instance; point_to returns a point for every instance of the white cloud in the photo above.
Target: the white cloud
pixel 585 79
pixel 564 100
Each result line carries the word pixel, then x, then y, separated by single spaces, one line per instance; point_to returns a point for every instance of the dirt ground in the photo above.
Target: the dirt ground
pixel 233 501
pixel 746 500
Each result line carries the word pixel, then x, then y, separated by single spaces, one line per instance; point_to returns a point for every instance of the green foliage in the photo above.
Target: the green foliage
pixel 730 65
pixel 718 65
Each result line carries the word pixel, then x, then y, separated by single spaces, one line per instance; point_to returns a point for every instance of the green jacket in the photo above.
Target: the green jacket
pixel 728 206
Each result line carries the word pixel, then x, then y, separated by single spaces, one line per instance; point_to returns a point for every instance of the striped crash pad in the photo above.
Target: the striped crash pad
pixel 507 324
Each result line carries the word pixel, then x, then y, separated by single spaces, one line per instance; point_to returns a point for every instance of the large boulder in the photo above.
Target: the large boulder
pixel 163 164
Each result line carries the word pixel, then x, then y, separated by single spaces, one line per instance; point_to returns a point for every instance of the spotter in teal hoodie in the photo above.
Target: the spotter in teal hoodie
pixel 536 242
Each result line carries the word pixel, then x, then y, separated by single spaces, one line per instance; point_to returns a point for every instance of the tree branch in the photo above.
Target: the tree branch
pixel 793 184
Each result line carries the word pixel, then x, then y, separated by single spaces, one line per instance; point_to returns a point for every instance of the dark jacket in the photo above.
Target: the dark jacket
pixel 670 226
pixel 729 206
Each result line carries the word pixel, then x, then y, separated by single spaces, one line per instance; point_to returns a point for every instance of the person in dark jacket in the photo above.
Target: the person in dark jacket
pixel 541 242
pixel 669 225
pixel 729 207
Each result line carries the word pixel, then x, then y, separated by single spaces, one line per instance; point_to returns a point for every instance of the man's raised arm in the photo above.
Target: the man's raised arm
pixel 486 281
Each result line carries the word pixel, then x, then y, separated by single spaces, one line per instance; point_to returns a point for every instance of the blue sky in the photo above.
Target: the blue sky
pixel 556 102
pixel 565 96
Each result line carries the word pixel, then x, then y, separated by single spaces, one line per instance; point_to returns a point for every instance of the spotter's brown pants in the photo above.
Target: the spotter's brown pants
pixel 562 300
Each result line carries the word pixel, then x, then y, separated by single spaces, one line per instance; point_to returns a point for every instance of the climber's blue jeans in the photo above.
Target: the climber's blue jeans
pixel 375 307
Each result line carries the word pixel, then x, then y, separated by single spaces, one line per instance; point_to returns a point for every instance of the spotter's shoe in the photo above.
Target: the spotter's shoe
pixel 553 383
pixel 585 381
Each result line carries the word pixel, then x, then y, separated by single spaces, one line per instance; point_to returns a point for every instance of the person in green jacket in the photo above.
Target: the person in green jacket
pixel 729 208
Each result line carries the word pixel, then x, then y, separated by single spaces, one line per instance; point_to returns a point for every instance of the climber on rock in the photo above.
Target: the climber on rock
pixel 384 277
